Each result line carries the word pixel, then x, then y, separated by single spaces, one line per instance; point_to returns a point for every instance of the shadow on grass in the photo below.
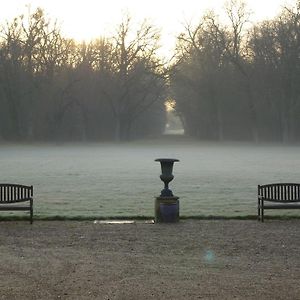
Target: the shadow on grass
pixel 140 218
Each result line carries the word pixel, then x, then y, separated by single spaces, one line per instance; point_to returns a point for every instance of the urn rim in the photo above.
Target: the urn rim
pixel 166 159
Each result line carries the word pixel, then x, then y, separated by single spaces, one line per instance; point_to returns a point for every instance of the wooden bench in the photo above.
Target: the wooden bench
pixel 12 194
pixel 281 196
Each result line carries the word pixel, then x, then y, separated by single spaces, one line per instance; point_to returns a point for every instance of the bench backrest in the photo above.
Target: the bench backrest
pixel 10 193
pixel 280 192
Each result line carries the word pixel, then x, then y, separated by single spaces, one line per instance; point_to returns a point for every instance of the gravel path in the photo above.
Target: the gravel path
pixel 213 259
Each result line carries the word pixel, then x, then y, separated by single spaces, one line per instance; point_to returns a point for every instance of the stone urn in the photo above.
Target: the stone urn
pixel 166 205
pixel 166 174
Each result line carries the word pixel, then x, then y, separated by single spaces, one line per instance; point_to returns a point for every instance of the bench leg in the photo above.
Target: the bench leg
pixel 262 213
pixel 258 210
pixel 31 211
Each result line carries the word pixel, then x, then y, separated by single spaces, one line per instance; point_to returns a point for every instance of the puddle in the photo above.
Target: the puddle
pixel 121 222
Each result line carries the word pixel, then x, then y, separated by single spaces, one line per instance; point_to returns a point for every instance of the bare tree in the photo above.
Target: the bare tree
pixel 138 74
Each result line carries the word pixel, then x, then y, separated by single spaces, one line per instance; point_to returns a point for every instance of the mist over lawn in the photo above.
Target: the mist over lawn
pixel 121 180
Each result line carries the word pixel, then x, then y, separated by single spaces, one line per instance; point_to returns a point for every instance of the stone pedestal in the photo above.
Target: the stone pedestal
pixel 166 209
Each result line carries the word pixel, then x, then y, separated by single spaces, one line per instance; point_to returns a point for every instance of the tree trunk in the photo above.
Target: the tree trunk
pixel 118 129
pixel 14 118
pixel 220 124
pixel 252 111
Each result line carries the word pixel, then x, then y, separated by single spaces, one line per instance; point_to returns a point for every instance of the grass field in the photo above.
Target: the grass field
pixel 121 180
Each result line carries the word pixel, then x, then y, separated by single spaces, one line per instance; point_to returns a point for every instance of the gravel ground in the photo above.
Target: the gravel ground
pixel 193 259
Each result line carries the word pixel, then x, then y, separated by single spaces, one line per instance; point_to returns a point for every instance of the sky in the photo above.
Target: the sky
pixel 88 19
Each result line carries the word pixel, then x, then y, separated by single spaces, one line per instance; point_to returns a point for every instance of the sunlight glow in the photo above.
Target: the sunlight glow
pixel 170 105
pixel 89 19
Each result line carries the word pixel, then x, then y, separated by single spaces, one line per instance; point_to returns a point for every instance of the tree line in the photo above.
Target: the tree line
pixel 237 81
pixel 52 88
pixel 232 80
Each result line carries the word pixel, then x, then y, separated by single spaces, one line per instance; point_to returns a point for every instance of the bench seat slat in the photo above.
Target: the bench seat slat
pixel 280 206
pixel 280 201
pixel 15 201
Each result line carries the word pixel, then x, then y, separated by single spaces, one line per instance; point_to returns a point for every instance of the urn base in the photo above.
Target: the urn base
pixel 166 209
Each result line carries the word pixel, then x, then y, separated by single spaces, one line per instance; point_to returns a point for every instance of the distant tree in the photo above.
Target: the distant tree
pixel 275 48
pixel 199 78
pixel 53 88
pixel 12 74
pixel 235 47
pixel 31 51
pixel 231 82
pixel 218 72
pixel 200 65
pixel 137 78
